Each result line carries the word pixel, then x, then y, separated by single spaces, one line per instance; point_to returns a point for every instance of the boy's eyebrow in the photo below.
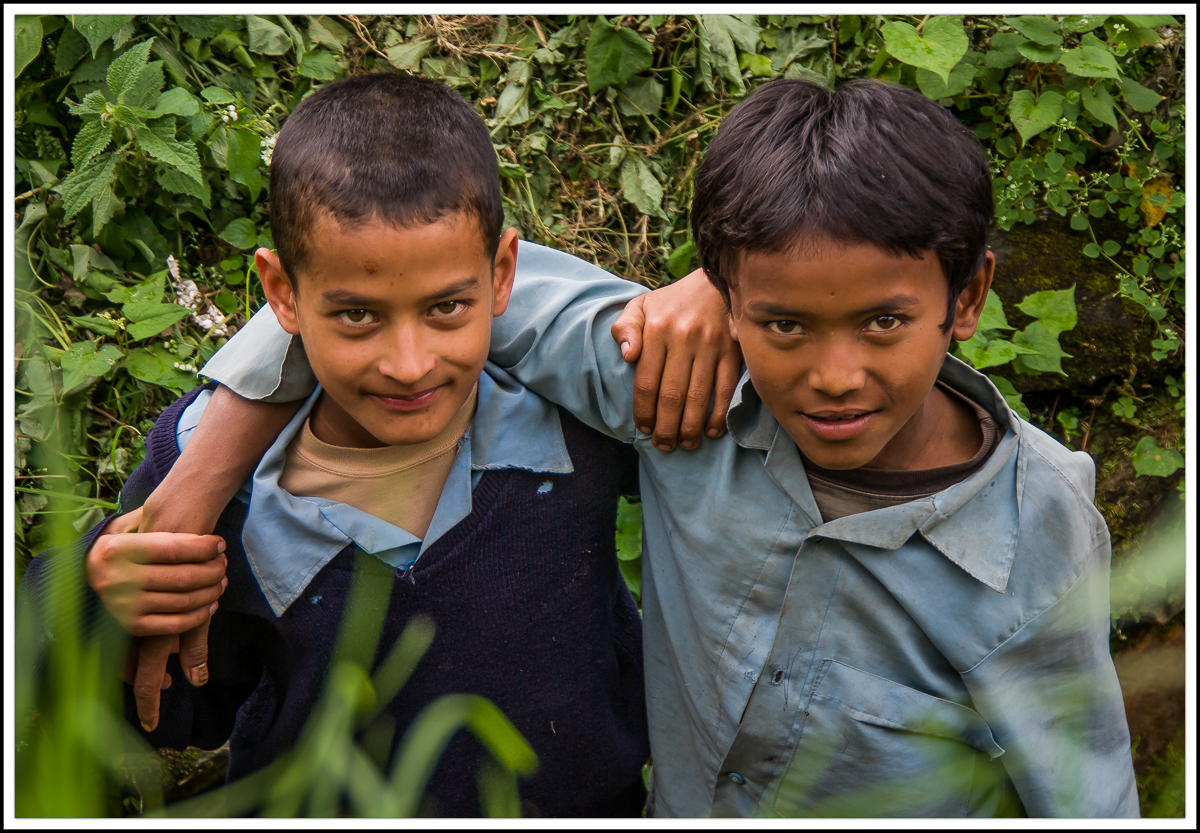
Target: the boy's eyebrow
pixel 895 302
pixel 346 297
pixel 464 285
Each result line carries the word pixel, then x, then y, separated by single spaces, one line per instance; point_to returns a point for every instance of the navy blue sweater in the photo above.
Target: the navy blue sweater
pixel 530 612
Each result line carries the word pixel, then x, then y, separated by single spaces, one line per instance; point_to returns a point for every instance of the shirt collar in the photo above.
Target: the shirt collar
pixel 288 539
pixel 973 523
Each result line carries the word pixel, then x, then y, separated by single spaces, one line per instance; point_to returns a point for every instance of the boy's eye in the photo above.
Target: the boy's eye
pixel 355 317
pixel 447 308
pixel 884 324
pixel 785 327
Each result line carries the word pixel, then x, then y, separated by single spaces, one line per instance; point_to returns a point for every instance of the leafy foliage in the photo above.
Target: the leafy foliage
pixel 139 137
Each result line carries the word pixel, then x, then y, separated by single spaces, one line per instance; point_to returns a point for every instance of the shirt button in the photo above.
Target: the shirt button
pixel 737 779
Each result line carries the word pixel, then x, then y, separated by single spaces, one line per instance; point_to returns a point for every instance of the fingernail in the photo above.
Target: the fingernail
pixel 199 674
pixel 147 726
pixel 624 348
pixel 714 432
pixel 221 546
pixel 688 444
pixel 224 583
pixel 643 429
pixel 212 608
pixel 662 446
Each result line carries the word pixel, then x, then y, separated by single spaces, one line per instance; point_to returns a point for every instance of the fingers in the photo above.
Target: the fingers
pixel 179 603
pixel 164 624
pixel 151 677
pixel 646 384
pixel 627 329
pixel 672 396
pixel 699 392
pixel 729 370
pixel 124 523
pixel 182 578
pixel 193 653
pixel 169 547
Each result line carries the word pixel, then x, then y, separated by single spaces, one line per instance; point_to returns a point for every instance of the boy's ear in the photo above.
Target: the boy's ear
pixel 504 268
pixel 972 299
pixel 278 289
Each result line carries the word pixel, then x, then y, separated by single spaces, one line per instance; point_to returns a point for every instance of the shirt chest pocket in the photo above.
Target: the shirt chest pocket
pixel 871 747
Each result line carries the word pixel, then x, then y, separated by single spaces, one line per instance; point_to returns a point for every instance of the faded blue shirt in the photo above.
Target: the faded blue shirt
pixel 288 538
pixel 945 657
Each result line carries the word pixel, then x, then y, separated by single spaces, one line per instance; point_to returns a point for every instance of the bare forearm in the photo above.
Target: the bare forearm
pixel 224 450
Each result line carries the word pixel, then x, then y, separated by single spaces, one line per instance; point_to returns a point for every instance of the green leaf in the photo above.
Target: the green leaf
pixel 180 155
pixel 265 37
pixel 124 71
pixel 82 364
pixel 1139 98
pixel 1031 116
pixel 90 142
pixel 407 56
pixel 1054 161
pixel 1111 247
pixel 680 261
pixel 1055 308
pixel 1151 459
pixel 932 85
pixel 1039 53
pixel 1091 250
pixel 1150 21
pixel 218 96
pixel 1099 103
pixel 151 318
pixel 319 65
pixel 103 326
pixel 175 182
pixel 938 47
pixel 1076 23
pixel 98 28
pixel 27 40
pixel 1090 62
pixel 145 90
pixel 641 96
pixel 1046 355
pixel 640 186
pixel 1038 28
pixel 157 366
pixel 1079 222
pixel 83 185
pixel 992 317
pixel 243 155
pixel 613 56
pixel 759 65
pixel 325 31
pixel 177 102
pixel 240 233
pixel 71 47
pixel 718 52
pixel 1003 50
pixel 1010 396
pixel 104 206
pixel 629 530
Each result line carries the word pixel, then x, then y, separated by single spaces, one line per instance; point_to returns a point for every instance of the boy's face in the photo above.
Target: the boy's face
pixel 396 323
pixel 843 344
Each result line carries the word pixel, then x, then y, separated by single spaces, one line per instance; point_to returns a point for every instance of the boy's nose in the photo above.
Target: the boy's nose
pixel 837 373
pixel 408 360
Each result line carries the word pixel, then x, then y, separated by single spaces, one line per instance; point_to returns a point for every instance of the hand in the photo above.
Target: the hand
pixel 681 335
pixel 156 585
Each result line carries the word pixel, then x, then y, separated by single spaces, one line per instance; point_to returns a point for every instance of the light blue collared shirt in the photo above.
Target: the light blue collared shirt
pixel 944 657
pixel 288 538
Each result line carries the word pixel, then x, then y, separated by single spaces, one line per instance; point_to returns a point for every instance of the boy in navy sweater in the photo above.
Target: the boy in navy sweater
pixel 483 505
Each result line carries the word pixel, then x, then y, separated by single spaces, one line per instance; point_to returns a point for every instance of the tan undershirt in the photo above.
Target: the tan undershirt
pixel 850 491
pixel 400 484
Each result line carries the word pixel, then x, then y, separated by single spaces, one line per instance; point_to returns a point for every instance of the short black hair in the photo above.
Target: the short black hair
pixel 868 163
pixel 381 146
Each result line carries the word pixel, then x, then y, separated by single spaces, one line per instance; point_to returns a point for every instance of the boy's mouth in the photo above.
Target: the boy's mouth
pixel 407 402
pixel 832 425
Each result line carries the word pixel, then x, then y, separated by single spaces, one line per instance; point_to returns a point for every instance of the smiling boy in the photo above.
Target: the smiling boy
pixel 882 593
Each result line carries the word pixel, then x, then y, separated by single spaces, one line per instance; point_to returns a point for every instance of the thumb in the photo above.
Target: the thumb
pixel 627 329
pixel 124 523
pixel 193 653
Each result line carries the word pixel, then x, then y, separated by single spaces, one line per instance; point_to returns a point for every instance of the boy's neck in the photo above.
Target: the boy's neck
pixel 943 432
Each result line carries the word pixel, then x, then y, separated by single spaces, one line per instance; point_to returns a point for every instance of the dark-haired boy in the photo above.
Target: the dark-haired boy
pixel 483 508
pixel 882 593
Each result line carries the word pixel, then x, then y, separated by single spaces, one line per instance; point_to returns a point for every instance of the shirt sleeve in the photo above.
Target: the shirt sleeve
pixel 555 337
pixel 1051 695
pixel 263 362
